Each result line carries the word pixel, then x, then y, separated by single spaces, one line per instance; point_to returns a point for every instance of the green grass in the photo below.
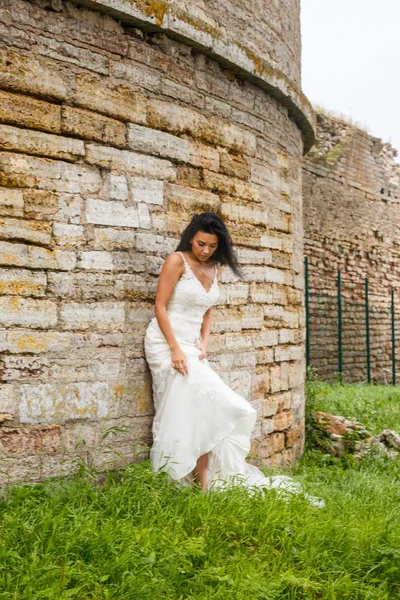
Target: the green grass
pixel 138 536
pixel 376 406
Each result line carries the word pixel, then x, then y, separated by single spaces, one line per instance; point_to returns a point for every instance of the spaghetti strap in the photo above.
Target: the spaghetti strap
pixel 185 262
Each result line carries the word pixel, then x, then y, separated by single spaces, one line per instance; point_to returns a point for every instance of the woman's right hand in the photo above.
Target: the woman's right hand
pixel 179 362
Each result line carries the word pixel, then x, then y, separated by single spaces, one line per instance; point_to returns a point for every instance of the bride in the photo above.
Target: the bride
pixel 201 427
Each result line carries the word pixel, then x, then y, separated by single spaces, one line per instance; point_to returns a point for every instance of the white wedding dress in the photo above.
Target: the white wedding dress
pixel 198 413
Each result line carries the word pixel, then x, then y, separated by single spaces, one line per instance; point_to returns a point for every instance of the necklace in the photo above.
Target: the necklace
pixel 203 271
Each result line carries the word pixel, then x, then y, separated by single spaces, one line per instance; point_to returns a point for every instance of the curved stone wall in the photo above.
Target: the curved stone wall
pixel 112 134
pixel 351 189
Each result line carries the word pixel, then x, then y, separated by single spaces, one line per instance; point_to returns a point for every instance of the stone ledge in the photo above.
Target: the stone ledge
pixel 213 42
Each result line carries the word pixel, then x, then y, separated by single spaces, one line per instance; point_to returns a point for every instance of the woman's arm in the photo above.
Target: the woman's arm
pixel 172 270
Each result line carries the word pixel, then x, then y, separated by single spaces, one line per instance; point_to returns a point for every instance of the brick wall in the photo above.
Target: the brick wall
pixel 111 137
pixel 352 223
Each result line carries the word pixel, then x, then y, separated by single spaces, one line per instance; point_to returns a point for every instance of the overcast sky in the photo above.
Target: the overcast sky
pixel 351 61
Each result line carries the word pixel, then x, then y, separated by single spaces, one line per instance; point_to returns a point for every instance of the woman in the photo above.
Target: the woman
pixel 201 427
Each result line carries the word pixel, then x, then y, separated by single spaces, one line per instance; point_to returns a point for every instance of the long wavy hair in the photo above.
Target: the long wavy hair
pixel 209 222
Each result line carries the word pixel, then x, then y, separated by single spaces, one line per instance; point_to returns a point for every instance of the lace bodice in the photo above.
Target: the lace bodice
pixel 190 300
pixel 186 307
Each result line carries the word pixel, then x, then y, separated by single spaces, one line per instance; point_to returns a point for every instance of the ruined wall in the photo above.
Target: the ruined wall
pixel 112 134
pixel 352 222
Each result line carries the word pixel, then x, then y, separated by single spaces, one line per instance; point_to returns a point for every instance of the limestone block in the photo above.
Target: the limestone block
pixel 139 76
pixel 267 274
pixel 22 468
pixel 20 282
pixel 3 340
pixel 234 166
pixel 263 175
pixel 148 55
pixel 135 287
pixel 267 426
pixel 22 255
pixel 265 356
pixel 30 231
pixel 226 320
pixel 130 162
pixel 29 112
pixel 252 317
pixel 48 403
pixel 284 401
pixel 129 261
pixel 283 420
pixel 36 342
pixel 293 435
pixel 26 74
pixel 190 199
pixel 28 312
pixel 110 238
pixel 101 212
pixel 272 444
pixel 101 316
pixel 139 316
pixel 240 382
pixel 183 93
pixel 231 360
pixel 281 221
pixel 144 216
pixel 44 144
pixel 282 353
pixel 234 293
pixel 254 257
pixel 11 202
pixel 261 382
pixel 41 440
pixel 68 235
pixel 272 240
pixel 53 175
pixel 81 285
pixel 150 191
pixel 152 141
pixel 276 383
pixel 96 260
pixel 270 406
pixel 118 187
pixel 261 293
pixel 279 315
pixel 80 436
pixel 65 52
pixel 41 204
pixel 239 140
pixel 296 373
pixel 233 187
pixel 8 399
pixel 177 119
pixel 118 101
pixel 265 338
pixel 24 367
pixel 155 243
pixel 92 126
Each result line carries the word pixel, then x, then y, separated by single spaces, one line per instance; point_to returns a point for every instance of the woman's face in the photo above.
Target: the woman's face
pixel 204 245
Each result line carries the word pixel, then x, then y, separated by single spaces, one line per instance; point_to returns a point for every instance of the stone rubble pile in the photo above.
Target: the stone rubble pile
pixel 346 436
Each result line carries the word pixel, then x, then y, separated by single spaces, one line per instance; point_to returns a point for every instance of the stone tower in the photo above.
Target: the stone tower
pixel 119 119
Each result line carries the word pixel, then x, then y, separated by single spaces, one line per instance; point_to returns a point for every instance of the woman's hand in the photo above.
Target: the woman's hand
pixel 203 350
pixel 178 359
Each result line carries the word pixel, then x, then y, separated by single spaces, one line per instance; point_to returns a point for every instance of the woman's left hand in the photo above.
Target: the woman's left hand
pixel 203 351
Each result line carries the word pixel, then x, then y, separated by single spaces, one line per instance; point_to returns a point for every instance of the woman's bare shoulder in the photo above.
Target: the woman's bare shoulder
pixel 174 262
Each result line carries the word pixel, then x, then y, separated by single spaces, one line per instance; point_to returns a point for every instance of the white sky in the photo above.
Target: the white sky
pixel 351 61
